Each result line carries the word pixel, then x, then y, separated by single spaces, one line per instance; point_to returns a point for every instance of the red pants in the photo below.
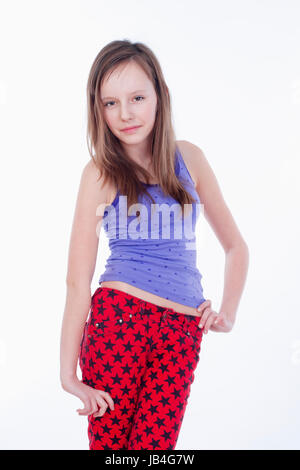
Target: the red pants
pixel 144 356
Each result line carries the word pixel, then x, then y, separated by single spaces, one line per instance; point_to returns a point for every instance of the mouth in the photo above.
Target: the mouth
pixel 129 129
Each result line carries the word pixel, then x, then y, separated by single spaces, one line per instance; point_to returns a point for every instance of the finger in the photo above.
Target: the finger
pixel 204 317
pixel 101 412
pixel 204 305
pixel 211 319
pixel 221 321
pixel 87 407
pixel 94 407
pixel 103 407
pixel 109 399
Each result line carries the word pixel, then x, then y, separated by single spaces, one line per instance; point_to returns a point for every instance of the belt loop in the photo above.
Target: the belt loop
pixel 165 312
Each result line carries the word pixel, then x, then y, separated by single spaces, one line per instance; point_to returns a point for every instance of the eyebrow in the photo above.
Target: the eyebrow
pixel 113 97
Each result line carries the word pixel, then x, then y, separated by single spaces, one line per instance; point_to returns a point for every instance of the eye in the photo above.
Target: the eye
pixel 140 97
pixel 108 103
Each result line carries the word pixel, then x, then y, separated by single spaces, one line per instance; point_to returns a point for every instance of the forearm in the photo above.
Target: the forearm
pixel 236 268
pixel 78 300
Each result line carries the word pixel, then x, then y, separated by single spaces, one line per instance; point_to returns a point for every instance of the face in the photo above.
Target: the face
pixel 129 99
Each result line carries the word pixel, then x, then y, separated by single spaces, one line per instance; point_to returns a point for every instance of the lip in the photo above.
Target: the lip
pixel 128 129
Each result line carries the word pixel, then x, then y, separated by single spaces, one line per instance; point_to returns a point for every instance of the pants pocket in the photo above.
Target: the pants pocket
pixel 188 329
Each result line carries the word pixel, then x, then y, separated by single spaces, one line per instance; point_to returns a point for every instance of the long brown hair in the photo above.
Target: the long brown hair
pixel 105 148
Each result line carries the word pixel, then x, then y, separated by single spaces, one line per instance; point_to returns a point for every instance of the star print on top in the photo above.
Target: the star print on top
pixel 156 252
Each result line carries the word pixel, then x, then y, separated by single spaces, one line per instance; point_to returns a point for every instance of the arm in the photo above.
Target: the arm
pixel 221 220
pixel 81 265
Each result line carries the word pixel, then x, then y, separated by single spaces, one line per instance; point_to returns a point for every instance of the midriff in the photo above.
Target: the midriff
pixel 149 297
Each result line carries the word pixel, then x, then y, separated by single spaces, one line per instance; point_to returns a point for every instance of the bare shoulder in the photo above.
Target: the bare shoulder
pixel 92 186
pixel 200 169
pixel 193 157
pixel 91 174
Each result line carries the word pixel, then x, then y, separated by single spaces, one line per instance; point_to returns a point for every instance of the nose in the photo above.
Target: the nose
pixel 124 112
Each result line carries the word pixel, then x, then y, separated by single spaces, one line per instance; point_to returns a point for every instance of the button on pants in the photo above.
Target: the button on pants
pixel 145 357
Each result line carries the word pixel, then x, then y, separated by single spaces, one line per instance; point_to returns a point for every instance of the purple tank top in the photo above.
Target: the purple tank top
pixel 158 252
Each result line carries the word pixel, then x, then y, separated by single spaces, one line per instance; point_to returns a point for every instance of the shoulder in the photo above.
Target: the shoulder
pixel 190 151
pixel 92 184
pixel 91 172
pixel 193 157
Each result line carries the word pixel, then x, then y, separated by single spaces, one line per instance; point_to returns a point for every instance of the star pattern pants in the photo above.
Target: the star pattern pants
pixel 144 356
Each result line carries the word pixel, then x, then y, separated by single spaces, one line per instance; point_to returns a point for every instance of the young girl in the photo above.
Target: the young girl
pixel 138 337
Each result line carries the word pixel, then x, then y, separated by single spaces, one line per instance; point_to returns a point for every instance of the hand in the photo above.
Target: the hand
pixel 212 320
pixel 95 401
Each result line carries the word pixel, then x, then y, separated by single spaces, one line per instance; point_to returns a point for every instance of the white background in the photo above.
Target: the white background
pixel 234 76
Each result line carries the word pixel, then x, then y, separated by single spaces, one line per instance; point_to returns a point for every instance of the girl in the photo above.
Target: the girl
pixel 138 337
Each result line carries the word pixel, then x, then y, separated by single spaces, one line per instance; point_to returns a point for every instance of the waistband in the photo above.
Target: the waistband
pixel 149 306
